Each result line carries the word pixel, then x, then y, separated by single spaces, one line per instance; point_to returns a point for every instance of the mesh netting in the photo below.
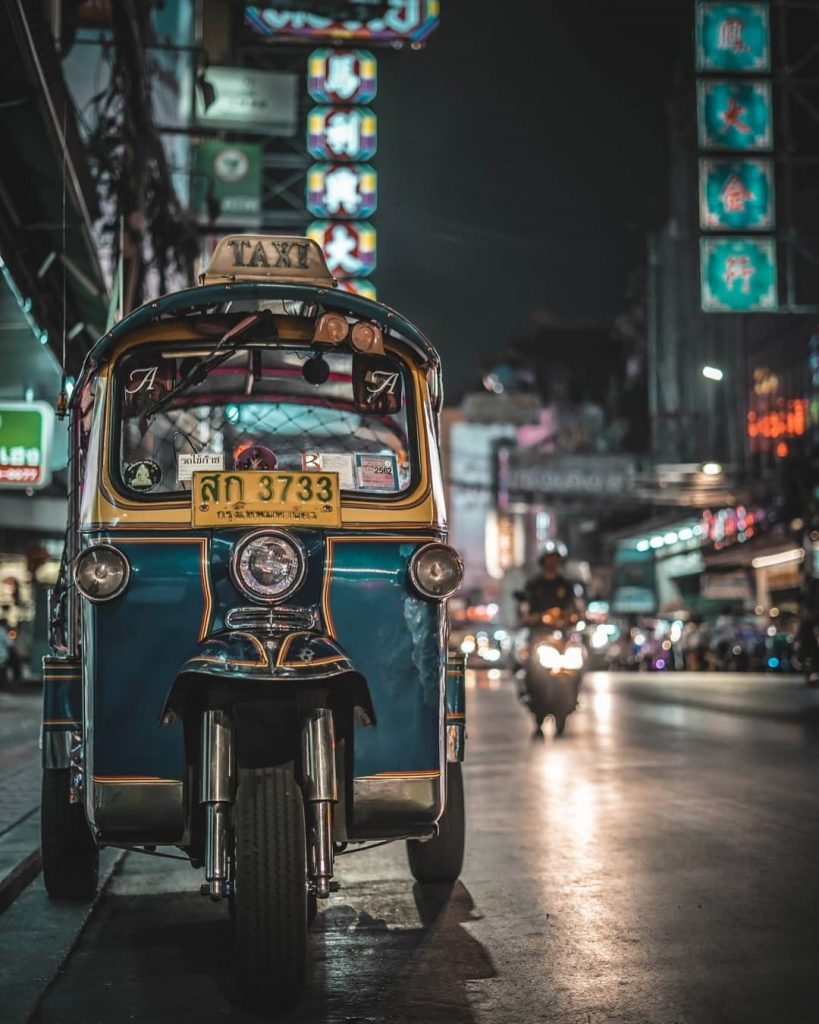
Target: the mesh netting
pixel 255 411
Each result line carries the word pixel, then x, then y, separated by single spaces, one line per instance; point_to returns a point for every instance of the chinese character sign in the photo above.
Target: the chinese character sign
pixel 737 195
pixel 342 190
pixel 26 430
pixel 735 114
pixel 738 275
pixel 364 288
pixel 341 133
pixel 349 246
pixel 403 21
pixel 342 76
pixel 733 37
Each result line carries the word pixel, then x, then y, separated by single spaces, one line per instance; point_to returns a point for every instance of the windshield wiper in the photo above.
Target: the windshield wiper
pixel 225 348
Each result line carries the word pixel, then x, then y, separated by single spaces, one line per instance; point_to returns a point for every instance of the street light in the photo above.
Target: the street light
pixel 712 373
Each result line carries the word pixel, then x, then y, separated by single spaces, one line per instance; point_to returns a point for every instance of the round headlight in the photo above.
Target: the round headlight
pixel 436 570
pixel 268 566
pixel 101 572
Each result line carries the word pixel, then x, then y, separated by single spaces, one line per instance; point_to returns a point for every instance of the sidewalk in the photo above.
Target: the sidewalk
pixel 19 790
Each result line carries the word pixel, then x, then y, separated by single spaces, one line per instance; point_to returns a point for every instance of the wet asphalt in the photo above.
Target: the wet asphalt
pixel 659 863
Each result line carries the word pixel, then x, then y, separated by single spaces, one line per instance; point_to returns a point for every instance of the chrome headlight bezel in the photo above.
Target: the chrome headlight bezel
pixel 236 570
pixel 420 554
pixel 90 551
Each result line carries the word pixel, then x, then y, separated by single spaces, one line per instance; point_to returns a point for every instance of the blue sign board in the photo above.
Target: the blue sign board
pixel 736 194
pixel 734 114
pixel 733 37
pixel 738 275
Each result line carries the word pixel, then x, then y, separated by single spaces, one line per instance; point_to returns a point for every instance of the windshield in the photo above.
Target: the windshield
pixel 256 410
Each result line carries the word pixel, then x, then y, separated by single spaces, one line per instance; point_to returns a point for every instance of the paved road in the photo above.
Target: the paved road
pixel 660 863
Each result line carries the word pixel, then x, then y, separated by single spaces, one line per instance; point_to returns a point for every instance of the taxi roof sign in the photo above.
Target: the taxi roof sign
pixel 283 258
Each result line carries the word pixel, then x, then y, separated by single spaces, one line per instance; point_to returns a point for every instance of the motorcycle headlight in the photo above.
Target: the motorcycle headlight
pixel 101 572
pixel 548 656
pixel 573 658
pixel 268 566
pixel 436 570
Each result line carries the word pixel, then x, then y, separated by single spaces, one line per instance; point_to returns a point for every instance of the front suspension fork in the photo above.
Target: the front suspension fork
pixel 318 750
pixel 218 789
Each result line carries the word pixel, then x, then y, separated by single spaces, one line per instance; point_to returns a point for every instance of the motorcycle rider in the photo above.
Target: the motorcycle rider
pixel 549 589
pixel 548 595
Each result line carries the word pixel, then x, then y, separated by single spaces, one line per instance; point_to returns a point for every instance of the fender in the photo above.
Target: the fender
pixel 239 657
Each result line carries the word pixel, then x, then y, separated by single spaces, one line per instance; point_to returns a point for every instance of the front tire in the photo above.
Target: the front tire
pixel 270 897
pixel 70 855
pixel 441 859
pixel 560 724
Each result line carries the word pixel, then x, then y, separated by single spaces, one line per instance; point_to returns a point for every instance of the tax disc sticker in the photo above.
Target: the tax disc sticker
pixel 142 476
pixel 376 472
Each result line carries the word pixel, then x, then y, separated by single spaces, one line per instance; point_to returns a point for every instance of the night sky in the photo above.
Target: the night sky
pixel 522 158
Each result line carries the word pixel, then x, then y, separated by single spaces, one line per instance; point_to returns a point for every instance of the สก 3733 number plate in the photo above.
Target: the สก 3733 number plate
pixel 268 498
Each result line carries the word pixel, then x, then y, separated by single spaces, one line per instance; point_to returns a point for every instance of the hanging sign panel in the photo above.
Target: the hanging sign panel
pixel 349 246
pixel 404 21
pixel 226 186
pixel 738 275
pixel 231 97
pixel 733 37
pixel 734 114
pixel 26 430
pixel 737 195
pixel 341 133
pixel 342 76
pixel 342 190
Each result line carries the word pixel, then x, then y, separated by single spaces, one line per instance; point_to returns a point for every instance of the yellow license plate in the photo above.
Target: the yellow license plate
pixel 267 498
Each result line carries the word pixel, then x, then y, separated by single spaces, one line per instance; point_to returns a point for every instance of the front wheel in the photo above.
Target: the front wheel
pixel 270 888
pixel 70 855
pixel 440 859
pixel 560 724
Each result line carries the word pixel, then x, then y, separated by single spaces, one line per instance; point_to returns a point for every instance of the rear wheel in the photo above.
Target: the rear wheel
pixel 560 724
pixel 70 855
pixel 270 892
pixel 440 859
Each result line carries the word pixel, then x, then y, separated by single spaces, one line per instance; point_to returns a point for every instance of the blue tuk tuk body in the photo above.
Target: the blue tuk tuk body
pixel 167 691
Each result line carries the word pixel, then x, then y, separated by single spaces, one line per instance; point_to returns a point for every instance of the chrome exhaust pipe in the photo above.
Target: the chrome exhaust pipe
pixel 218 787
pixel 318 748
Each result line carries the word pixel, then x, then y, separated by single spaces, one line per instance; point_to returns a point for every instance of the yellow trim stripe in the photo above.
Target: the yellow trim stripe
pixel 427 773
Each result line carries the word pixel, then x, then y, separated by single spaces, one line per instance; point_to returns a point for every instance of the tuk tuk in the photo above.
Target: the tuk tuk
pixel 249 630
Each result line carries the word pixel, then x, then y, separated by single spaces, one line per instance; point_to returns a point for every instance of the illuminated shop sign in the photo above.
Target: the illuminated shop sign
pixel 341 133
pixel 737 195
pixel 410 21
pixel 738 275
pixel 362 287
pixel 26 429
pixel 342 76
pixel 733 37
pixel 735 114
pixel 731 525
pixel 349 246
pixel 342 190
pixel 783 418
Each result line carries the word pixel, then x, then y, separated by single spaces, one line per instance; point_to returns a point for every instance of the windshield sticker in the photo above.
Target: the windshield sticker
pixel 142 379
pixel 255 456
pixel 142 476
pixel 376 472
pixel 332 462
pixel 189 463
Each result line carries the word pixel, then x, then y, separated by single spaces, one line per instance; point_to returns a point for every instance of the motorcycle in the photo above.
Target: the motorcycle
pixel 551 661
